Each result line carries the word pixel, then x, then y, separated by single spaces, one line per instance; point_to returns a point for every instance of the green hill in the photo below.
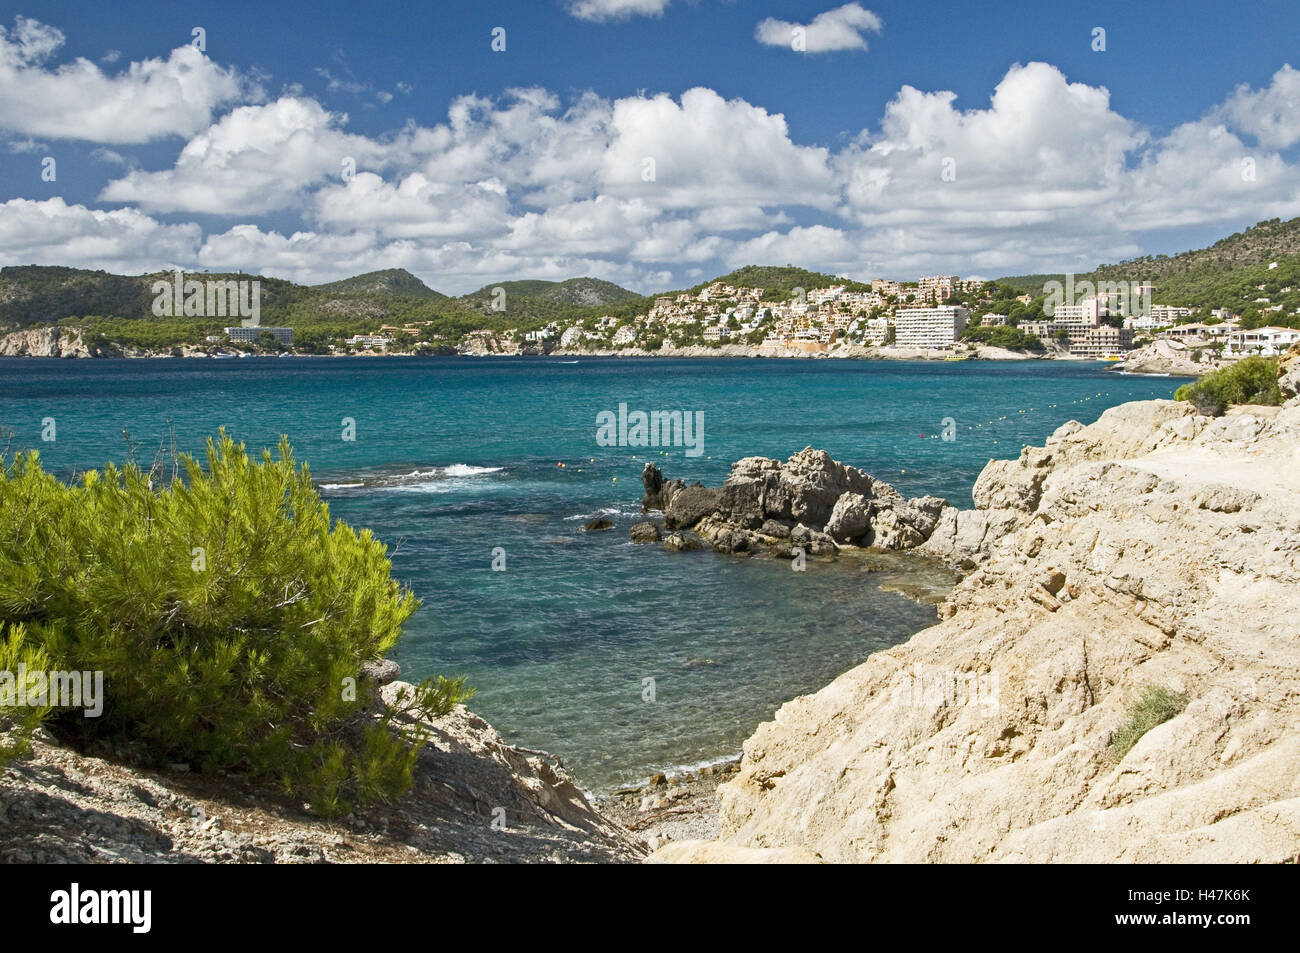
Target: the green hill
pixel 40 294
pixel 778 281
pixel 397 282
pixel 1232 273
pixel 582 292
pixel 533 303
pixel 1027 284
pixel 1260 244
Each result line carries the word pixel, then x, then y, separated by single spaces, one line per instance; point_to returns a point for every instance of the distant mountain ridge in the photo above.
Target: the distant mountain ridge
pixel 1259 245
pixel 583 292
pixel 1254 273
pixel 391 281
pixel 1233 273
pixel 778 280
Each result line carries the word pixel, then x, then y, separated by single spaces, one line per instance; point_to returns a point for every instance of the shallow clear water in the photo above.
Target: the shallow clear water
pixel 454 457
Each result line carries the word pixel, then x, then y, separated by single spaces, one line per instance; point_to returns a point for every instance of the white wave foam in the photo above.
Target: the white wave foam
pixel 464 470
pixel 430 480
pixel 605 511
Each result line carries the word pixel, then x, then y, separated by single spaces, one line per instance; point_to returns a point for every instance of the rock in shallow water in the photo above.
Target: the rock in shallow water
pixel 645 532
pixel 689 505
pixel 830 503
pixel 682 542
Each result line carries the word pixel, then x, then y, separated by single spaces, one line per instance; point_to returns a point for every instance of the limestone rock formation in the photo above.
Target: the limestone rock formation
pixel 44 342
pixel 1289 373
pixel 1168 357
pixel 682 542
pixel 1155 547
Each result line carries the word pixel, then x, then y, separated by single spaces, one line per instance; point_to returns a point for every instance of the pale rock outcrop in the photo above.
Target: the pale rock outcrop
pixel 1164 356
pixel 850 518
pixel 1289 373
pixel 44 342
pixel 1154 547
pixel 68 342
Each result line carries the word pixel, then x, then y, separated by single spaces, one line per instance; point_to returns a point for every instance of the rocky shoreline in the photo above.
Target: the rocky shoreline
pixel 1154 548
pixel 68 343
pixel 671 807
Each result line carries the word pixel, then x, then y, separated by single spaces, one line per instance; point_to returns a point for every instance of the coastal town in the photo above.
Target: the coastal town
pixel 941 315
pixel 935 317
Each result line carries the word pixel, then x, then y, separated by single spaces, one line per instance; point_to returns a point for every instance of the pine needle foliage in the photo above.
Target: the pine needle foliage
pixel 1251 380
pixel 230 616
pixel 17 722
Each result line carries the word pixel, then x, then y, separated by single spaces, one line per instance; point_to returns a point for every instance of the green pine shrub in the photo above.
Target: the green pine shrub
pixel 1251 380
pixel 1155 706
pixel 231 619
pixel 17 722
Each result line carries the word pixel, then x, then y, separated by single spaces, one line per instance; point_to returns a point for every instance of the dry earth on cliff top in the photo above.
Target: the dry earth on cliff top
pixel 476 799
pixel 1153 548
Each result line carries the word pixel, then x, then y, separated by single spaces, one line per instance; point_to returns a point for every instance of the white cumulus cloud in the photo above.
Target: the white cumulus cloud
pixel 602 10
pixel 656 190
pixel 52 232
pixel 1271 115
pixel 843 28
pixel 255 159
pixel 151 99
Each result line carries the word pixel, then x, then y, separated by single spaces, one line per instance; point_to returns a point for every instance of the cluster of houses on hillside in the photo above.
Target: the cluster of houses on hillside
pixel 916 316
pixel 919 316
pixel 809 320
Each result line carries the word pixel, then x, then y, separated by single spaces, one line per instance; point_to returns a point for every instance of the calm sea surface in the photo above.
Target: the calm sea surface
pixel 453 457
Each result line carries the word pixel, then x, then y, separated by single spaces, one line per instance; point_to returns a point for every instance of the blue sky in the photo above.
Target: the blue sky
pixel 832 159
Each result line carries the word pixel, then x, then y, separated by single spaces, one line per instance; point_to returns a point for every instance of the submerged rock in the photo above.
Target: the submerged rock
pixel 596 525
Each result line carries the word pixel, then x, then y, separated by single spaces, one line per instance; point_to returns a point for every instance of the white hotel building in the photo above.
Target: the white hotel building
pixel 929 327
pixel 1267 342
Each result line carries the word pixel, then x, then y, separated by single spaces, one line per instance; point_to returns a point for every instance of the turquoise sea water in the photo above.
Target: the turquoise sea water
pixel 454 457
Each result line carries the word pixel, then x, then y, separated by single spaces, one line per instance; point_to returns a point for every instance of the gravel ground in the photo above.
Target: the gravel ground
pixel 475 800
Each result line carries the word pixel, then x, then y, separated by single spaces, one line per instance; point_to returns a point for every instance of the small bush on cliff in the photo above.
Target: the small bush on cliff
pixel 1252 380
pixel 230 618
pixel 1154 706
